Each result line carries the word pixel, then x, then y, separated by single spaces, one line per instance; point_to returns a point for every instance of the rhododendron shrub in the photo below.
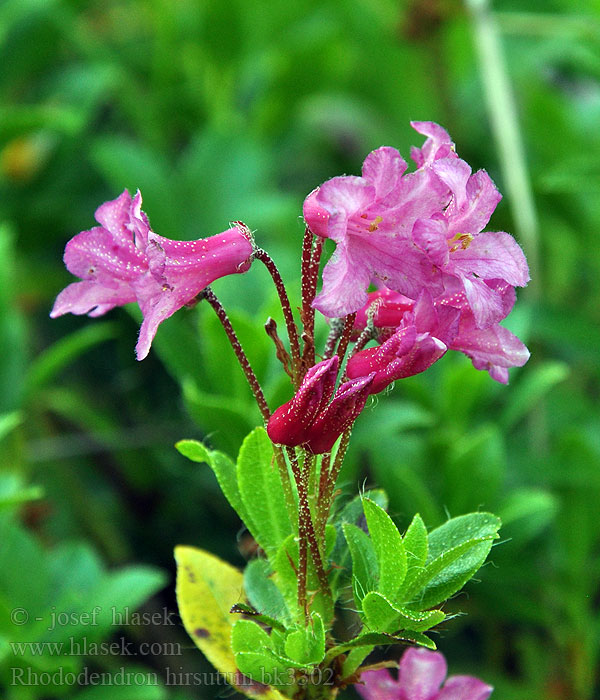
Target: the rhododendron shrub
pixel 414 274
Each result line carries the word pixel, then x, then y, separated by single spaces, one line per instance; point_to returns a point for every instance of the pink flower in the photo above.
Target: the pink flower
pixel 315 416
pixel 494 348
pixel 123 261
pixel 422 337
pixel 453 240
pixel 371 218
pixel 420 676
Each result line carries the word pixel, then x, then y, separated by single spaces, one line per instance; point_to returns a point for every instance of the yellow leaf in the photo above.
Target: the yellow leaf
pixel 207 588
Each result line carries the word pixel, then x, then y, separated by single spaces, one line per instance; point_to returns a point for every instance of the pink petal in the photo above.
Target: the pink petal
pixel 316 218
pixel 343 197
pixel 491 348
pixel 383 169
pixel 124 219
pixel 421 674
pixel 91 298
pixel 344 285
pixel 482 199
pixel 378 685
pixel 454 173
pixel 431 236
pixel 438 143
pixel 484 302
pixel 420 195
pixel 465 688
pixel 156 309
pixel 493 256
pixel 98 255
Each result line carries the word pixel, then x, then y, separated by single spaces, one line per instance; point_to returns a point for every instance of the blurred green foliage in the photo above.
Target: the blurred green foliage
pixel 231 110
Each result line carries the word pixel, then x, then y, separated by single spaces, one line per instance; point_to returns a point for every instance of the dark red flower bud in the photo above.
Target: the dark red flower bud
pixel 290 423
pixel 348 402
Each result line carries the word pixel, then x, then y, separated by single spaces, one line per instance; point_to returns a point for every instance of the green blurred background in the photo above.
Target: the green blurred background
pixel 221 111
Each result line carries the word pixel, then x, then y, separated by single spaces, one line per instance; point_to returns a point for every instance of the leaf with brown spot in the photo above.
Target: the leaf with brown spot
pixel 207 589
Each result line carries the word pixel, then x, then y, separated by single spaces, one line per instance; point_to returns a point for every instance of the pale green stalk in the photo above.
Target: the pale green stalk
pixel 502 113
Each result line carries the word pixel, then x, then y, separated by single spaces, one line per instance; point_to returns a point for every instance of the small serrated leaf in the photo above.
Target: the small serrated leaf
pixel 382 615
pixel 364 562
pixel 388 546
pixel 416 547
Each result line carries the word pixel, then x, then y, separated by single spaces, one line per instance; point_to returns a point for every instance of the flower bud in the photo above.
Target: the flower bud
pixel 290 423
pixel 348 402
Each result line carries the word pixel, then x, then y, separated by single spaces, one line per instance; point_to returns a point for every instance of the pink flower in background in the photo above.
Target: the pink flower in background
pixel 421 674
pixel 371 218
pixel 123 261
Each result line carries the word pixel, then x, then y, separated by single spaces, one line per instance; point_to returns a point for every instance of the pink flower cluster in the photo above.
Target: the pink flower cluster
pixel 123 261
pixel 443 282
pixel 421 674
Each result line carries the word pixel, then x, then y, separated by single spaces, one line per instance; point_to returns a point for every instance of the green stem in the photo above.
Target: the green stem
pixel 502 113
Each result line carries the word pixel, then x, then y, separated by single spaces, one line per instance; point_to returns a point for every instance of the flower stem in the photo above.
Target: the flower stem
pixel 327 485
pixel 346 335
pixel 311 257
pixel 288 315
pixel 306 529
pixel 239 352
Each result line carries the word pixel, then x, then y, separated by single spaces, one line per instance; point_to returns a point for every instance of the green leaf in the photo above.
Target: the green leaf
pixel 388 546
pixel 526 512
pixel 243 609
pixel 306 645
pixel 261 491
pixel 352 512
pixel 373 639
pixel 248 636
pixel 416 547
pixel 449 572
pixel 383 616
pixel 8 422
pixel 223 468
pixel 267 669
pixel 456 550
pixel 462 529
pixel 262 592
pixel 364 562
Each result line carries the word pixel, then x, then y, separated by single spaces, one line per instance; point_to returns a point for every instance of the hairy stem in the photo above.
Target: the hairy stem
pixel 305 522
pixel 239 352
pixel 346 335
pixel 288 315
pixel 311 258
